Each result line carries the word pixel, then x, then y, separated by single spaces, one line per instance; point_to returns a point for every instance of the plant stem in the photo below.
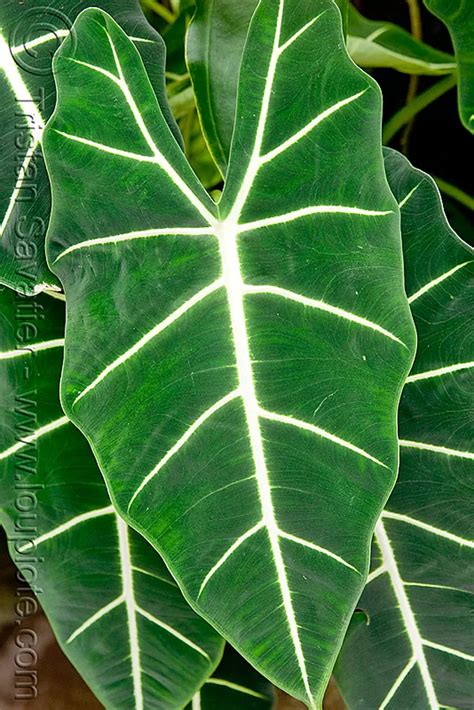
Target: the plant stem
pixel 160 10
pixel 176 77
pixel 455 192
pixel 182 103
pixel 415 18
pixel 399 119
pixel 417 33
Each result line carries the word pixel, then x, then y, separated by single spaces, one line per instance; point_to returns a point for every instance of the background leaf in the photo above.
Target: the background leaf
pixel 458 16
pixel 27 98
pixel 416 650
pixel 374 43
pixel 236 685
pixel 221 402
pixel 217 27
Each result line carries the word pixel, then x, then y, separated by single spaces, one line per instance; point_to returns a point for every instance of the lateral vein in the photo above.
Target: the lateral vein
pixel 23 96
pixel 389 515
pixel 283 47
pixel 173 632
pixel 64 527
pixel 398 682
pixel 308 212
pixel 235 686
pixel 317 548
pixel 182 440
pixel 438 372
pixel 139 234
pixel 408 197
pixel 283 419
pixel 435 282
pixel 376 573
pixel 424 446
pixel 323 306
pixel 34 436
pixel 95 617
pixel 158 155
pixel 235 545
pixel 449 650
pixel 293 140
pixel 184 308
pixel 32 348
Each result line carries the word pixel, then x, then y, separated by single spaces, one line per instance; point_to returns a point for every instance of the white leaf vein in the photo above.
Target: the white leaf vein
pixel 435 282
pixel 440 371
pixel 64 527
pixel 173 632
pixel 32 348
pixel 159 328
pixel 34 436
pixel 407 614
pixel 182 440
pixel 137 234
pixel 323 306
pixel 436 449
pixel 408 520
pixel 283 419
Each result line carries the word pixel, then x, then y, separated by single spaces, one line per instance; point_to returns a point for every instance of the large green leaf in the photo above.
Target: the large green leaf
pixel 237 367
pixel 417 649
pixel 113 605
pixel 234 685
pixel 382 44
pixel 458 16
pixel 29 35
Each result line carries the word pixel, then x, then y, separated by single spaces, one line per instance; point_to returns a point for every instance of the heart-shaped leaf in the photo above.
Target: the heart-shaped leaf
pixel 115 609
pixel 237 367
pixel 417 648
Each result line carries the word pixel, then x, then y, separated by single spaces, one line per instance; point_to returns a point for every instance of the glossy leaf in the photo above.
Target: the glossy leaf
pixel 218 29
pixel 235 685
pixel 458 16
pixel 116 611
pixel 382 44
pixel 416 649
pixel 202 339
pixel 29 35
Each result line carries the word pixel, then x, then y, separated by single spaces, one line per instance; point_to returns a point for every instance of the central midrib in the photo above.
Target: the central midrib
pixel 234 285
pixel 406 612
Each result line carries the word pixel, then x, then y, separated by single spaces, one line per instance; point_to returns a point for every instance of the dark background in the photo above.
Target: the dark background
pixel 439 143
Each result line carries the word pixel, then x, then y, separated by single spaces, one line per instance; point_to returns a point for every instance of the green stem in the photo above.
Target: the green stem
pixel 176 77
pixel 423 100
pixel 455 192
pixel 157 7
pixel 183 103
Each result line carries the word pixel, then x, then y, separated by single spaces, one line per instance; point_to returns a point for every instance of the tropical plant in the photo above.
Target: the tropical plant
pixel 261 435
